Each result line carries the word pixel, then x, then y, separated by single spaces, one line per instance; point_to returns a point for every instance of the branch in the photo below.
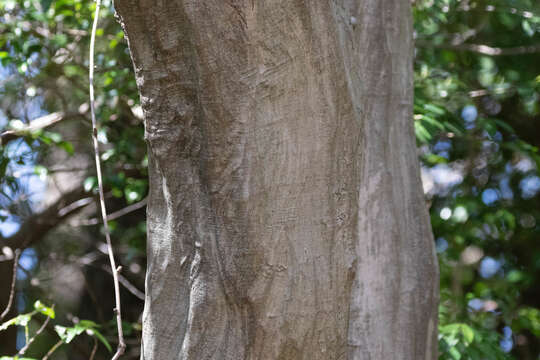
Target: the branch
pixel 482 49
pixel 40 330
pixel 129 286
pixel 37 225
pixel 13 281
pixel 94 349
pixel 117 214
pixel 121 344
pixel 90 258
pixel 74 206
pixel 53 349
pixel 37 124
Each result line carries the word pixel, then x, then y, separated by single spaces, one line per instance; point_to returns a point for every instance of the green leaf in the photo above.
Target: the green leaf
pixel 67 334
pixel 108 81
pixel 67 146
pixel 41 171
pixel 45 310
pixel 68 13
pixel 30 48
pixel 45 4
pixel 100 337
pixel 21 320
pixel 59 40
pixel 113 43
pixel 134 190
pixel 529 318
pixel 421 133
pixel 434 159
pixel 433 121
pixel 468 334
pixel 55 137
pixel 434 109
pixel 71 70
pixel 89 183
pixel 527 28
pixel 515 276
pixel 503 125
pixel 454 353
pixel 453 128
pixel 4 161
pixel 107 154
pixel 87 324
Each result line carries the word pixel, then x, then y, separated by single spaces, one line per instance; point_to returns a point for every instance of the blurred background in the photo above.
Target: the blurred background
pixel 477 122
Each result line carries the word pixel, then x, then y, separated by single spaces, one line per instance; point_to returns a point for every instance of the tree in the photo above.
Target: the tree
pixel 476 115
pixel 286 218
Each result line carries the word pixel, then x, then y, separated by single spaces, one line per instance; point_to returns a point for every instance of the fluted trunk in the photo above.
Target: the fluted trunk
pixel 286 217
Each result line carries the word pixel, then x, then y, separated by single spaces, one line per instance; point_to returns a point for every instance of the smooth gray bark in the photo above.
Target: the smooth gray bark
pixel 286 218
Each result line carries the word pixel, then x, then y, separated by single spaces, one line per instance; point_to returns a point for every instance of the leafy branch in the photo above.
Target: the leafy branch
pixel 66 334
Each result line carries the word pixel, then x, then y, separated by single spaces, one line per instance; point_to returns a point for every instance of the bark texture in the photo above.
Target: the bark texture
pixel 286 218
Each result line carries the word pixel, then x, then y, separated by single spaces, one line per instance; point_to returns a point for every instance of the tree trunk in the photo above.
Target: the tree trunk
pixel 286 217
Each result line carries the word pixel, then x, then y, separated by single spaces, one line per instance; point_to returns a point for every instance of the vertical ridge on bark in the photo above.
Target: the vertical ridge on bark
pixel 285 217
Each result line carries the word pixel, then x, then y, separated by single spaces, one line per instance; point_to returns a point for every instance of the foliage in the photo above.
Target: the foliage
pixel 44 73
pixel 66 334
pixel 475 115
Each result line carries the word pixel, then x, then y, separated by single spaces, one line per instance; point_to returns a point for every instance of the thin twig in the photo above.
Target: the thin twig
pixel 38 224
pixel 129 286
pixel 121 344
pixel 88 260
pixel 13 281
pixel 37 124
pixel 74 206
pixel 53 349
pixel 482 49
pixel 117 214
pixel 94 349
pixel 40 330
